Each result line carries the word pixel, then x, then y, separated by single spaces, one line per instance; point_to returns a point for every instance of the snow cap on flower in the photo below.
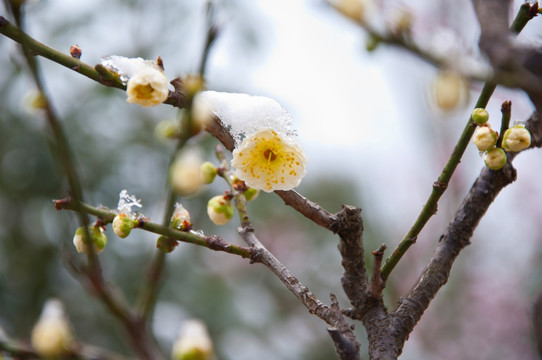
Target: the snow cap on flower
pixel 148 87
pixel 185 173
pixel 484 138
pixel 52 336
pixel 267 156
pixel 220 210
pixel 147 84
pixel 99 240
pixel 268 161
pixel 516 138
pixel 495 158
pixel 126 202
pixel 193 343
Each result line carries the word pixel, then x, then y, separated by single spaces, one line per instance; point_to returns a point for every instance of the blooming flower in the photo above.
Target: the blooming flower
pixel 516 138
pixel 52 336
pixel 193 343
pixel 484 138
pixel 267 161
pixel 147 87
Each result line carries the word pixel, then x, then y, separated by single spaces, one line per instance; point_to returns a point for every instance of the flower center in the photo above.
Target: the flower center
pixel 145 91
pixel 269 155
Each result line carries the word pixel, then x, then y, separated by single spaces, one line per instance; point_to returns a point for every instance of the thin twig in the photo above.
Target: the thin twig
pixel 439 187
pixel 377 283
pixel 506 110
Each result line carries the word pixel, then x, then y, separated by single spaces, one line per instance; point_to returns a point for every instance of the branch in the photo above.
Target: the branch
pixel 439 187
pixel 457 236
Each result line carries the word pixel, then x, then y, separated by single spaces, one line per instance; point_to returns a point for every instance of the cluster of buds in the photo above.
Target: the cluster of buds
pixel 515 139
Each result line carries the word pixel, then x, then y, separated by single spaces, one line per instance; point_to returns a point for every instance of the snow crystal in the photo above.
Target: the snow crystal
pixel 126 202
pixel 245 115
pixel 124 66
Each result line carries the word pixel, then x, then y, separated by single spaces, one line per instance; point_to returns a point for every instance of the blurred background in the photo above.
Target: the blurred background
pixel 374 137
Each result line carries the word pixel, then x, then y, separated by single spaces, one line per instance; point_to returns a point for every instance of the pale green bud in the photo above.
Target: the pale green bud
pixel 220 210
pixel 123 225
pixel 251 193
pixel 516 138
pixel 484 138
pixel 208 172
pixel 166 244
pixel 97 235
pixel 495 158
pixel 480 116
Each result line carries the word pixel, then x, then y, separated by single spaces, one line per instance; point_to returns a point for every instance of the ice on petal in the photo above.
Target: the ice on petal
pixel 245 115
pixel 126 202
pixel 124 66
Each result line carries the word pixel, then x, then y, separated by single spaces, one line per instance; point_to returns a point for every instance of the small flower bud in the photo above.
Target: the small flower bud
pixel 516 138
pixel 495 158
pixel 480 116
pixel 97 235
pixel 52 336
pixel 220 210
pixel 251 193
pixel 185 173
pixel 167 129
pixel 484 138
pixel 180 218
pixel 208 172
pixel 193 343
pixel 75 51
pixel 166 244
pixel 123 225
pixel 147 87
pixel 449 91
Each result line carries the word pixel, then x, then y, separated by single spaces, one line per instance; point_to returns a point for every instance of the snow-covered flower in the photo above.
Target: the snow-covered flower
pixel 185 173
pixel 193 343
pixel 147 87
pixel 99 240
pixel 220 210
pixel 495 158
pixel 52 336
pixel 516 138
pixel 125 221
pixel 268 161
pixel 484 138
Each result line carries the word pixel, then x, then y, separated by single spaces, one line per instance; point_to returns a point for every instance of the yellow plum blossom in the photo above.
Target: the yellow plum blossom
pixel 147 87
pixel 268 161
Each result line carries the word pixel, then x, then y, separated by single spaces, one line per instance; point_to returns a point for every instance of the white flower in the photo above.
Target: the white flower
pixel 193 343
pixel 147 87
pixel 185 173
pixel 52 336
pixel 268 161
pixel 516 138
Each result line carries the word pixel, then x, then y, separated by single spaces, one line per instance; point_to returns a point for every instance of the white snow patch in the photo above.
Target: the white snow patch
pixel 245 114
